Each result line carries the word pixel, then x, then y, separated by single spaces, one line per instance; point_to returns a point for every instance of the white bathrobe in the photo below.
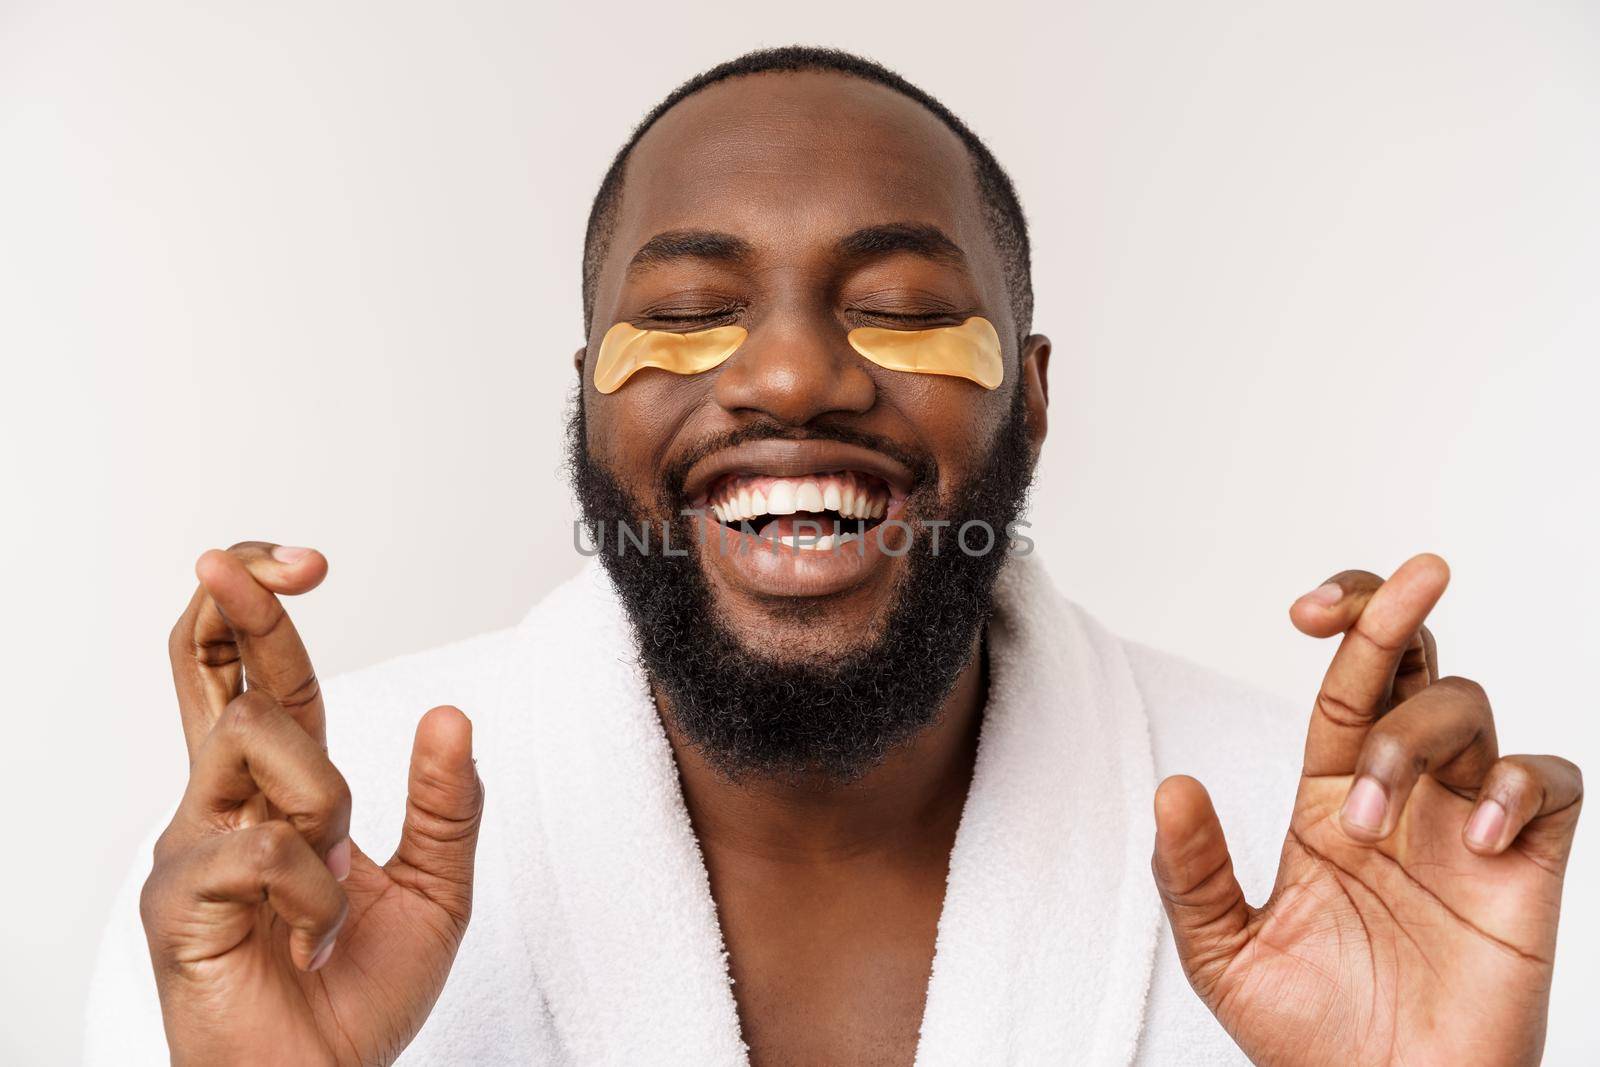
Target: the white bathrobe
pixel 594 937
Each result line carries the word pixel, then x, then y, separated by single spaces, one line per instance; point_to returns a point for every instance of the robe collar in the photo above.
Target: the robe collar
pixel 1046 940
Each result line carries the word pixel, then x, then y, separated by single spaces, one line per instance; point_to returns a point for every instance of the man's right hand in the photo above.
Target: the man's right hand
pixel 274 938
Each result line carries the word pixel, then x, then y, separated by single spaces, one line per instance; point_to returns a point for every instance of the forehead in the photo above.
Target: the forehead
pixel 786 159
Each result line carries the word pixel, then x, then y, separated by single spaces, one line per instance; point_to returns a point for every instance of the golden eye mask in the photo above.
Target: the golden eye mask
pixel 971 350
pixel 625 350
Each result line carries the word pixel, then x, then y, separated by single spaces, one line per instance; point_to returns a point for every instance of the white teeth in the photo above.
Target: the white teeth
pixel 808 540
pixel 843 493
pixel 808 497
pixel 780 499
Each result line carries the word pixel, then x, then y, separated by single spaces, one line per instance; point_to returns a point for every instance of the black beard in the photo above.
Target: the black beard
pixel 750 715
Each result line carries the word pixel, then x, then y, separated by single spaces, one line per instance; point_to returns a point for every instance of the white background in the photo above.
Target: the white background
pixel 1321 279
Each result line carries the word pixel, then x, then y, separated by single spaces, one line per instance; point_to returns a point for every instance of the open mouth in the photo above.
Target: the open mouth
pixel 817 511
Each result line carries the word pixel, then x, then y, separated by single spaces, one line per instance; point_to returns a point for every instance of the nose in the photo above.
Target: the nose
pixel 794 371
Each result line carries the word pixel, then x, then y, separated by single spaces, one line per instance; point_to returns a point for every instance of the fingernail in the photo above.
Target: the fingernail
pixel 1328 594
pixel 288 553
pixel 322 955
pixel 339 860
pixel 1364 806
pixel 1484 828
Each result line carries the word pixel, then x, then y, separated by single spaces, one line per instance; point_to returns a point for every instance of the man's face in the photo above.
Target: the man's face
pixel 801 206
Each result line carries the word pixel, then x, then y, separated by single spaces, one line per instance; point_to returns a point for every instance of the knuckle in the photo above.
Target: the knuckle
pixel 157 898
pixel 165 849
pixel 266 626
pixel 301 693
pixel 249 712
pixel 1381 635
pixel 1515 777
pixel 328 800
pixel 1468 688
pixel 150 901
pixel 1339 711
pixel 180 640
pixel 1387 751
pixel 341 798
pixel 429 823
pixel 461 799
pixel 1357 580
pixel 269 846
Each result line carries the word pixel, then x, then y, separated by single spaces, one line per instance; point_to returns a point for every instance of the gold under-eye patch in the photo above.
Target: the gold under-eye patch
pixel 625 349
pixel 971 350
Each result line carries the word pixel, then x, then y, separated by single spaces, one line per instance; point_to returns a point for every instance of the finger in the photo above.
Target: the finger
pixel 444 807
pixel 1337 604
pixel 1419 667
pixel 257 749
pixel 237 631
pixel 206 667
pixel 1446 731
pixel 1358 686
pixel 1334 606
pixel 204 905
pixel 1194 875
pixel 1531 800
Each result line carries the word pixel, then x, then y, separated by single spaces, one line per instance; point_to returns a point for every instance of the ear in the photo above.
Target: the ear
pixel 577 362
pixel 1036 386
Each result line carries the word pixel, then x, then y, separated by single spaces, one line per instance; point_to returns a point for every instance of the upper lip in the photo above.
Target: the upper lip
pixel 781 458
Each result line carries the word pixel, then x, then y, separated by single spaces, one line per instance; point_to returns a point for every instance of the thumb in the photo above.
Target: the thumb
pixel 444 806
pixel 1194 875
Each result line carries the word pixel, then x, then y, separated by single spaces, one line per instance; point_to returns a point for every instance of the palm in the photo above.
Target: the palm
pixel 396 949
pixel 1364 950
pixel 1414 915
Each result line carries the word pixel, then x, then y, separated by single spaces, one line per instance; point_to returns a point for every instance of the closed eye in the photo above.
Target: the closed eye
pixel 687 318
pixel 901 320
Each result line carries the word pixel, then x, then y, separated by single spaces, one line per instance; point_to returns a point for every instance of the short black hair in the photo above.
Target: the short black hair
pixel 1002 209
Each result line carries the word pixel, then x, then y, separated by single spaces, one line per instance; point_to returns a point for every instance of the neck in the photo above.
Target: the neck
pixel 910 802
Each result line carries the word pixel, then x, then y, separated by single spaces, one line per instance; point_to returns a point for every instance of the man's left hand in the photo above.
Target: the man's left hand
pixel 1414 915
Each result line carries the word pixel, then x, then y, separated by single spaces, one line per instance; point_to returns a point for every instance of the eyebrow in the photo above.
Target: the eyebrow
pixel 869 242
pixel 689 244
pixel 917 238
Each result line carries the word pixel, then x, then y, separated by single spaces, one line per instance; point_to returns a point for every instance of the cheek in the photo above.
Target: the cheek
pixel 632 429
pixel 954 421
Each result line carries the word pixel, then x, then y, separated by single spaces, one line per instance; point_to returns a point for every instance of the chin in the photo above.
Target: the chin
pixel 797 644
pixel 805 630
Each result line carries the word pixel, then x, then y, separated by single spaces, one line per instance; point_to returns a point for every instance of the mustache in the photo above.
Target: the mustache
pixel 924 471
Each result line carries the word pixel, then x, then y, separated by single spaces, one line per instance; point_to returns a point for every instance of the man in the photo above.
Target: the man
pixel 874 797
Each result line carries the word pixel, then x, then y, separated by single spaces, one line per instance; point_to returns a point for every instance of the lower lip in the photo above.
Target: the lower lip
pixel 765 566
